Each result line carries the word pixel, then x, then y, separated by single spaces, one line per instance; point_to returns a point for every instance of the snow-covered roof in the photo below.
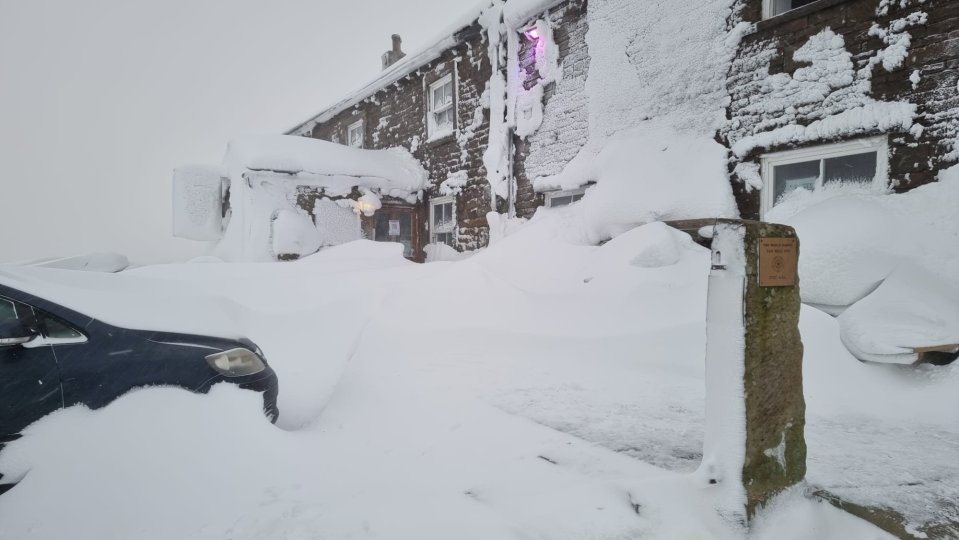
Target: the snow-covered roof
pixel 515 13
pixel 402 68
pixel 390 169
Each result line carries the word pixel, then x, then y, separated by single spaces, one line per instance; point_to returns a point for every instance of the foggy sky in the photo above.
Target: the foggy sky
pixel 101 99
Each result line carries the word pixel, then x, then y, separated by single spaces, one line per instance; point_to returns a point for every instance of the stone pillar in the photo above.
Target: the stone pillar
pixel 755 412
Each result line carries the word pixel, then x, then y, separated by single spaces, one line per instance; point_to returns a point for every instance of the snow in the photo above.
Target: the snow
pixel 517 13
pixel 674 66
pixel 445 39
pixel 643 176
pixel 911 308
pixel 454 183
pixel 724 448
pixel 567 401
pixel 267 174
pixel 341 167
pixel 198 201
pixel 897 40
pixel 91 262
pixel 294 234
pixel 546 387
pixel 880 116
pixel 889 256
pixel 830 91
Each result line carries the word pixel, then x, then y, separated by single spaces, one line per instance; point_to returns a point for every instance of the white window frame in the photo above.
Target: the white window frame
pixel 768 9
pixel 433 130
pixel 550 195
pixel 451 226
pixel 770 161
pixel 356 126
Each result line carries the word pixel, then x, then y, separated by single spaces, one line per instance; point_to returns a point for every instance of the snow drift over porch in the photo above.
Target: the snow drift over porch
pixel 336 167
pixel 285 197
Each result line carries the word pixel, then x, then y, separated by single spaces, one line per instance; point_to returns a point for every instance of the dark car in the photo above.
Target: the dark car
pixel 53 357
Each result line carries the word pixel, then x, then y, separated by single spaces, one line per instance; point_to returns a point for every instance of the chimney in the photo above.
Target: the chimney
pixel 392 56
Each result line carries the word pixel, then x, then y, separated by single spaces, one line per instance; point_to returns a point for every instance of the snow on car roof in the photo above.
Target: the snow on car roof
pixel 130 301
pixel 390 169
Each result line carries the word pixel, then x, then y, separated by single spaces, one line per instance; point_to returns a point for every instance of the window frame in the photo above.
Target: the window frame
pixel 356 126
pixel 433 130
pixel 550 195
pixel 41 317
pixel 446 229
pixel 822 152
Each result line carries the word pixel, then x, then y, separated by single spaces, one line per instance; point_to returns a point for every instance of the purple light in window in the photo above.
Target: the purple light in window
pixel 532 34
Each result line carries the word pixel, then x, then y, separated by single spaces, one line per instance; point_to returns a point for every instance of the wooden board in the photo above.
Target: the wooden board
pixel 778 262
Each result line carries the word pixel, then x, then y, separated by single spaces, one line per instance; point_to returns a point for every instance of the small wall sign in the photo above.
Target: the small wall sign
pixel 394 227
pixel 778 262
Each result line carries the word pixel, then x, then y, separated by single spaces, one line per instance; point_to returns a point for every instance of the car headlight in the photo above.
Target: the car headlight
pixel 236 362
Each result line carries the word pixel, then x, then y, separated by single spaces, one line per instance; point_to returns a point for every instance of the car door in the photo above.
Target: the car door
pixel 29 377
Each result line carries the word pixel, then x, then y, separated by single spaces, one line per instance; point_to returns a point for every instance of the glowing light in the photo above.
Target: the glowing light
pixel 532 34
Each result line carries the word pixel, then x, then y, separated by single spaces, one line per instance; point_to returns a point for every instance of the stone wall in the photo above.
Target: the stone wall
pixel 927 78
pixel 565 126
pixel 395 116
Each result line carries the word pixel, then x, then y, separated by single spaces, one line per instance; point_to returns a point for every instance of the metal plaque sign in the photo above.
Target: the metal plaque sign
pixel 778 262
pixel 394 227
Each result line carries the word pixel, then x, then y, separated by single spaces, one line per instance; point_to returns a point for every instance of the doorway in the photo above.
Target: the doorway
pixel 398 224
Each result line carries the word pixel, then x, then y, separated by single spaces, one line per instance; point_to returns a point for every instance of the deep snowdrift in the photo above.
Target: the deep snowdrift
pixel 514 394
pixel 894 258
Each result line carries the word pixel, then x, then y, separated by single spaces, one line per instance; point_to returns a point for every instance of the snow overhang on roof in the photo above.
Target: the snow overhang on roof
pixel 390 169
pixel 515 14
pixel 454 35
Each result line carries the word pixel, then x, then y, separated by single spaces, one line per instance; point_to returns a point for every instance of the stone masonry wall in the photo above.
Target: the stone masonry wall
pixel 927 77
pixel 396 116
pixel 565 113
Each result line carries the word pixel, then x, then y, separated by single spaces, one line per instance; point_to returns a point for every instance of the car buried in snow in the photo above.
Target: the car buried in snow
pixel 52 357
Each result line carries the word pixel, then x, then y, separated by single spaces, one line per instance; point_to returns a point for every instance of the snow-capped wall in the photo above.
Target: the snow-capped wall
pixel 845 70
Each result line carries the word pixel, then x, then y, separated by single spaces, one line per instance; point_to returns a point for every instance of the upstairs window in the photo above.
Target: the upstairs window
pixel 556 199
pixel 443 221
pixel 355 134
pixel 861 161
pixel 442 115
pixel 771 8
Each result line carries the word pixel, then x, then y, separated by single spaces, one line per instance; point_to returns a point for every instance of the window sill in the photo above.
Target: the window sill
pixel 440 138
pixel 797 13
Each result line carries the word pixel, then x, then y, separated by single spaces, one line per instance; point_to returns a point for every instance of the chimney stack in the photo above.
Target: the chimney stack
pixel 395 54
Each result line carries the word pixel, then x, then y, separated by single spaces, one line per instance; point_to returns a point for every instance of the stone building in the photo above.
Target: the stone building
pixel 432 104
pixel 815 92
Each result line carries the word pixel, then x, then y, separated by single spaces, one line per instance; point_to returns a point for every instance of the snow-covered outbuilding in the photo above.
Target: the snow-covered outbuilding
pixel 283 197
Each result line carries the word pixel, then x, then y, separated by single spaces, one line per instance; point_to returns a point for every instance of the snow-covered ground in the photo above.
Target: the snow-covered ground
pixel 540 389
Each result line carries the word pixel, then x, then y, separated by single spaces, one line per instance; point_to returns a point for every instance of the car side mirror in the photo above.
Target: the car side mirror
pixel 16 332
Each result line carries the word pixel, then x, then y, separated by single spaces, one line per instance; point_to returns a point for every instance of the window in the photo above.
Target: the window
pixel 771 8
pixel 442 114
pixel 443 221
pixel 53 330
pixel 861 161
pixel 355 134
pixel 564 198
pixel 7 310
